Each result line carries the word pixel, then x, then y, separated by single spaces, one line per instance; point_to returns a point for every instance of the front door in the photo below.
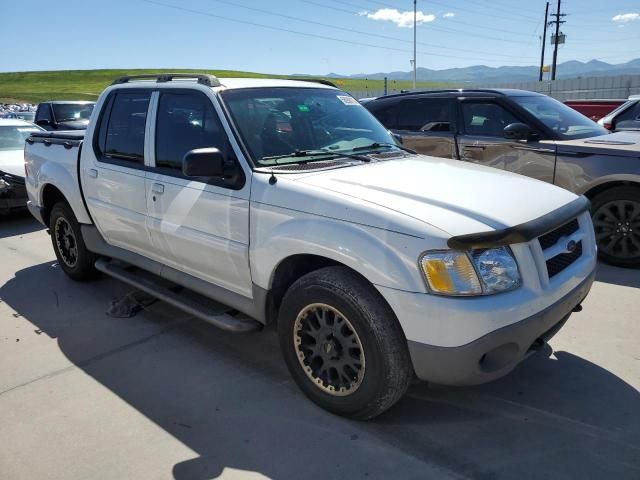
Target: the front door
pixel 482 141
pixel 199 226
pixel 114 182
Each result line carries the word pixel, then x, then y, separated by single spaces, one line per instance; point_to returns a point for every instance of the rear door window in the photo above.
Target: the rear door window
pixel 185 121
pixel 426 115
pixel 386 113
pixel 125 127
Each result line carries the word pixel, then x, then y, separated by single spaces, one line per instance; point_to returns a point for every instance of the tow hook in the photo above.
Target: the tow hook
pixel 577 308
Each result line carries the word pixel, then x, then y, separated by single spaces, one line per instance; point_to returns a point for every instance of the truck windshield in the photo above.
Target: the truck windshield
pixel 286 125
pixel 13 137
pixel 67 112
pixel 564 121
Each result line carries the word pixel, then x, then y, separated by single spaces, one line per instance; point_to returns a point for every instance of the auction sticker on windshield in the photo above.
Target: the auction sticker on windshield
pixel 347 100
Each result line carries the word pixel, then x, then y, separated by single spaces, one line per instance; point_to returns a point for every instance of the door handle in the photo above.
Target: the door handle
pixel 157 188
pixel 479 147
pixel 92 172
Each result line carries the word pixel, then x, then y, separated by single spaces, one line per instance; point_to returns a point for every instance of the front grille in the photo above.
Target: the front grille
pixel 550 239
pixel 558 263
pixel 561 261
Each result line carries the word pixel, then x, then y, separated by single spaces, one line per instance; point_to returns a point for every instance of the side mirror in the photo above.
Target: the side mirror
pixel 518 131
pixel 205 162
pixel 43 123
pixel 396 137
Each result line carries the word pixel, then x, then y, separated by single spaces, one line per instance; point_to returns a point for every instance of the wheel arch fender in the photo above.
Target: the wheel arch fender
pixel 55 176
pixel 607 182
pixel 377 255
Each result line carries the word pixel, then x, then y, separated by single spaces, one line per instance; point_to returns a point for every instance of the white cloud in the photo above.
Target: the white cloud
pixel 401 19
pixel 449 15
pixel 626 17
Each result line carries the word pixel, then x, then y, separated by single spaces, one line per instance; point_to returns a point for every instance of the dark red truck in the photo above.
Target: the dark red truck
pixel 594 109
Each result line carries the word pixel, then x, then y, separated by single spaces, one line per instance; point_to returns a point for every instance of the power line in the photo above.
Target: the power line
pixel 515 11
pixel 441 29
pixel 476 25
pixel 492 15
pixel 306 34
pixel 477 35
pixel 359 32
pixel 318 4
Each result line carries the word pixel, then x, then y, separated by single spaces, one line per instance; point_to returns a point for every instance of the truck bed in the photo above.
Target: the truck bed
pixel 73 137
pixel 52 159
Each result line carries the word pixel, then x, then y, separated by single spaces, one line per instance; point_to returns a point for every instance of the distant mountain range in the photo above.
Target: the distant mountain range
pixel 482 73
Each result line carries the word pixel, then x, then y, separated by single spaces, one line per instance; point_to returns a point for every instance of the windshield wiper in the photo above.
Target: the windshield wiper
pixel 321 152
pixel 375 145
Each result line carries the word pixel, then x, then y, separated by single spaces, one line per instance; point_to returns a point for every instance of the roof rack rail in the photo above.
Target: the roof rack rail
pixel 203 78
pixel 315 80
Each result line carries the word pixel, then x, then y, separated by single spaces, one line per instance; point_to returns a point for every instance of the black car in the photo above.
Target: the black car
pixel 64 115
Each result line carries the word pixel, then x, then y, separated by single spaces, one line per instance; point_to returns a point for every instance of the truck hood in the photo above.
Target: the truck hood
pixel 453 196
pixel 625 144
pixel 12 162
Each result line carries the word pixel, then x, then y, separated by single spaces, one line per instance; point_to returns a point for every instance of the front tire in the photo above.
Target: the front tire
pixel 616 219
pixel 342 344
pixel 68 244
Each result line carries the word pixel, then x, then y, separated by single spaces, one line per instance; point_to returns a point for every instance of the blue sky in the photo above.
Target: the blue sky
pixel 304 36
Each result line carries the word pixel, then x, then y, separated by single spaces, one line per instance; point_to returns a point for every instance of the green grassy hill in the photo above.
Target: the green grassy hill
pixel 87 84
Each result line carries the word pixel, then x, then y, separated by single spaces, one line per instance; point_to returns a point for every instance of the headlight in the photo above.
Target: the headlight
pixel 480 272
pixel 497 268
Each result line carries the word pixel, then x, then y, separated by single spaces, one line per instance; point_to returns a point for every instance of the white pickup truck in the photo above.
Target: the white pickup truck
pixel 288 202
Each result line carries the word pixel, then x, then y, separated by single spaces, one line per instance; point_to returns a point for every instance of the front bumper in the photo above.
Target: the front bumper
pixel 13 193
pixel 496 353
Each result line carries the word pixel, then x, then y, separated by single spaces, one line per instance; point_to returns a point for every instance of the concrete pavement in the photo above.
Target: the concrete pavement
pixel 161 395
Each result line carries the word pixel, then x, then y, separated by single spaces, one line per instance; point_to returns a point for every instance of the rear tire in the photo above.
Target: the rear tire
pixel 68 244
pixel 616 219
pixel 343 344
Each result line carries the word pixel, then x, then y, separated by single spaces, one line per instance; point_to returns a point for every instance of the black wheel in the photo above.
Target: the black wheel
pixel 342 344
pixel 68 244
pixel 616 219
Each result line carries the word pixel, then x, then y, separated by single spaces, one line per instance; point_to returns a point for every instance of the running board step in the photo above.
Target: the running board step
pixel 223 321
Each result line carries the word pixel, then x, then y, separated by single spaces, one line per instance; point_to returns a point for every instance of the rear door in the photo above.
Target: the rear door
pixel 481 140
pixel 114 180
pixel 426 125
pixel 199 226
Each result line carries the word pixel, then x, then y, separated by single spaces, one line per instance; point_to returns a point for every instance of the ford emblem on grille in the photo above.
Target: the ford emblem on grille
pixel 571 246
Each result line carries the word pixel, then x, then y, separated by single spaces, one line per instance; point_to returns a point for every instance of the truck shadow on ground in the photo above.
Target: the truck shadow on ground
pixel 18 223
pixel 230 399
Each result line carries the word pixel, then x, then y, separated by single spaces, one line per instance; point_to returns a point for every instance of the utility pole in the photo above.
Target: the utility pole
pixel 556 41
pixel 415 13
pixel 544 40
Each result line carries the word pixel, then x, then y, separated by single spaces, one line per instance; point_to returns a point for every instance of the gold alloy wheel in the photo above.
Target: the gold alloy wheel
pixel 329 349
pixel 66 242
